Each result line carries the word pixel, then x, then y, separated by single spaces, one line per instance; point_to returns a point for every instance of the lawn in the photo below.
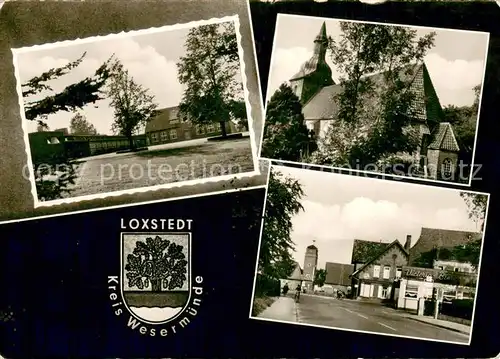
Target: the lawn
pixel 162 166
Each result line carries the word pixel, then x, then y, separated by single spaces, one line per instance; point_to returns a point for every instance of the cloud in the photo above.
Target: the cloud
pixel 149 68
pixel 334 227
pixel 454 79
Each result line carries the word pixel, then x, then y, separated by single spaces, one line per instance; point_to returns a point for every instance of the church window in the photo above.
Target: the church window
pixel 447 167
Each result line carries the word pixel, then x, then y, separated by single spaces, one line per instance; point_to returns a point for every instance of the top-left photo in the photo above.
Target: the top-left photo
pixel 136 114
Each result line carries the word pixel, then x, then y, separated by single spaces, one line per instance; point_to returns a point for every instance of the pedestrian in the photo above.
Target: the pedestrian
pixel 298 289
pixel 285 289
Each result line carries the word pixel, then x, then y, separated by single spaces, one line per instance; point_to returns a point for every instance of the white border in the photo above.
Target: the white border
pixel 413 185
pixel 123 34
pixel 122 273
pixel 372 172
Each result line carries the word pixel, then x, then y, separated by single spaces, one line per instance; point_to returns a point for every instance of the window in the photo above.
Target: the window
pixel 210 128
pixel 447 168
pixel 173 134
pixel 154 137
pixel 399 270
pixel 387 272
pixel 163 136
pixel 456 269
pixel 53 141
pixel 200 130
pixel 411 291
pixel 376 271
pixel 174 121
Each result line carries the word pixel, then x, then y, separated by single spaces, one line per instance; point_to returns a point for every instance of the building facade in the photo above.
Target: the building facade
pixel 376 278
pixel 53 146
pixel 338 277
pixel 294 279
pixel 169 127
pixel 436 156
pixel 310 265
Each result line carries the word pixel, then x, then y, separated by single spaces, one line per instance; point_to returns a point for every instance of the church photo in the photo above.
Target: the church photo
pixel 368 97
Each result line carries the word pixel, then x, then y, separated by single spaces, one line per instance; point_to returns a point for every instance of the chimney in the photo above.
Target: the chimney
pixel 408 242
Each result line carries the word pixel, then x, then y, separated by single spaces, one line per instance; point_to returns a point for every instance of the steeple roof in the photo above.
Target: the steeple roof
pixel 317 62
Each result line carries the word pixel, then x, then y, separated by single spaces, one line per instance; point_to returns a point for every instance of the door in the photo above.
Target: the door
pixel 380 294
pixel 365 290
pixel 187 135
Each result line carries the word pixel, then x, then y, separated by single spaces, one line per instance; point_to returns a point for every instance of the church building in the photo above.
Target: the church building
pixel 437 154
pixel 310 265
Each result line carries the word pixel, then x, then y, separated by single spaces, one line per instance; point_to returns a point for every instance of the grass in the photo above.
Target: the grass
pixel 149 299
pixel 260 304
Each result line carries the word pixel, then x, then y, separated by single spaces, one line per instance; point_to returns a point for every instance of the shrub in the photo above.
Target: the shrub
pixel 266 286
pixel 459 308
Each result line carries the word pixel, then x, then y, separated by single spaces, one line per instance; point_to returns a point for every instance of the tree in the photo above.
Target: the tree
pixel 239 112
pixel 208 71
pixel 283 202
pixel 477 204
pixel 374 113
pixel 72 97
pixel 132 103
pixel 470 253
pixel 157 264
pixel 80 126
pixel 320 277
pixel 42 128
pixel 286 136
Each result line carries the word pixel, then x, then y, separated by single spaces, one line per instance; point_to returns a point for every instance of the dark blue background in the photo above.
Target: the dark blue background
pixel 53 272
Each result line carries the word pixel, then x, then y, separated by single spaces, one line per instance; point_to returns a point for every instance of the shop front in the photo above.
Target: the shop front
pixel 425 282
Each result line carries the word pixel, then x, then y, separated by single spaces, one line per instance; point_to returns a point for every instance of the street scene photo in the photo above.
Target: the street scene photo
pixel 369 255
pixel 370 97
pixel 135 111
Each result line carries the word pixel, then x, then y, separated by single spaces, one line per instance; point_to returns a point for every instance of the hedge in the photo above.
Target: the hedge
pixel 458 308
pixel 266 286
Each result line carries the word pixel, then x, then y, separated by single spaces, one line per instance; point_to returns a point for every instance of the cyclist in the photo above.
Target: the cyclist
pixel 298 289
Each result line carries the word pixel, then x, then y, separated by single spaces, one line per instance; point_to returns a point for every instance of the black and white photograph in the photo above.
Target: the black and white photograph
pixel 369 255
pixel 366 97
pixel 135 111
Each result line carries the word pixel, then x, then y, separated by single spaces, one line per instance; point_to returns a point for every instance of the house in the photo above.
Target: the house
pixel 168 127
pixel 403 274
pixel 294 279
pixel 377 267
pixel 338 276
pixel 436 156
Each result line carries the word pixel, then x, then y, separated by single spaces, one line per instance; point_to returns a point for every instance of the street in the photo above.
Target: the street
pixel 367 316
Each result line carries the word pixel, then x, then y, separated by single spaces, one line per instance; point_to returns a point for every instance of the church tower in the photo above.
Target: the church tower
pixel 310 264
pixel 315 73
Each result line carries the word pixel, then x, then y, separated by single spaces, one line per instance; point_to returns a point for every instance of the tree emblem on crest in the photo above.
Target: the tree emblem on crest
pixel 157 264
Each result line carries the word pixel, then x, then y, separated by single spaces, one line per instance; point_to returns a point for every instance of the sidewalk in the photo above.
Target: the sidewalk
pixel 282 309
pixel 456 327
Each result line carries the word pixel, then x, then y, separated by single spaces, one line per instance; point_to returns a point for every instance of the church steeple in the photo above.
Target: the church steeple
pixel 315 73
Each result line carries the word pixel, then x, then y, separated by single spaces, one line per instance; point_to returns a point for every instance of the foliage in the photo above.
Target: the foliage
pixel 53 179
pixel 458 308
pixel 71 98
pixel 477 204
pixel 42 127
pixel 286 136
pixel 283 202
pixel 156 263
pixel 267 286
pixel 320 277
pixel 80 126
pixel 132 103
pixel 208 71
pixel 374 112
pixel 239 113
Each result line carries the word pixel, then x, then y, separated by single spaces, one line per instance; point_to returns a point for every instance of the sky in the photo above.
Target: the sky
pixel 150 58
pixel 454 70
pixel 341 208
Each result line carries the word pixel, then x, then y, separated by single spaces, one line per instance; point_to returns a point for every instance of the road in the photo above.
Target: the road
pixel 366 316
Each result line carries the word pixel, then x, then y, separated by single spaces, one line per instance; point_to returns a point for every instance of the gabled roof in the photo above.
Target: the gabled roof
pixel 431 238
pixel 297 272
pixel 443 138
pixel 389 246
pixel 162 119
pixel 338 273
pixel 363 251
pixel 426 106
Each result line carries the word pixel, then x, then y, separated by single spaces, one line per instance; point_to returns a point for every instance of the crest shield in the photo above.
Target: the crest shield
pixel 156 275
